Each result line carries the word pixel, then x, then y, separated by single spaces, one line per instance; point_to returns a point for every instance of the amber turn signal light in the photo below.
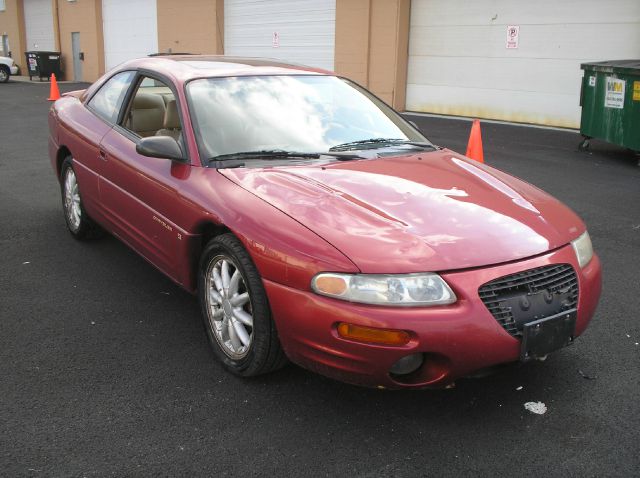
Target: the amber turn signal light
pixel 331 285
pixel 372 335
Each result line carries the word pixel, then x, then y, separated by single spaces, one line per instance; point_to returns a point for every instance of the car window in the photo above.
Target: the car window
pixel 153 111
pixel 107 101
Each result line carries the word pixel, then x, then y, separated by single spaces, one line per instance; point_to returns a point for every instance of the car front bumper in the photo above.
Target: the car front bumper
pixel 456 340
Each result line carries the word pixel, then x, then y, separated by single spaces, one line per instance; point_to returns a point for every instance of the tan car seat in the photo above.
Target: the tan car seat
pixel 147 114
pixel 171 122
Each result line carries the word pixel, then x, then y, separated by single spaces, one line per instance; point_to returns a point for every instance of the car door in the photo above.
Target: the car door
pixel 142 194
pixel 90 124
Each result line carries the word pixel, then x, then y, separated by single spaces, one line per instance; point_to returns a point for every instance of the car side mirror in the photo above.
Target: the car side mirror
pixel 160 147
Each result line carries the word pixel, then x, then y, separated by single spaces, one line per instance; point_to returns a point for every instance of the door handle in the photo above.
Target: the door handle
pixel 102 155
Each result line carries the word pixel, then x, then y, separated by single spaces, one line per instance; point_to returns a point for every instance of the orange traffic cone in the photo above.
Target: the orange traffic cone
pixel 474 148
pixel 54 94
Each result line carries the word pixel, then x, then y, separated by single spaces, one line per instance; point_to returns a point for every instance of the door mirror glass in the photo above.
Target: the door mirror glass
pixel 160 147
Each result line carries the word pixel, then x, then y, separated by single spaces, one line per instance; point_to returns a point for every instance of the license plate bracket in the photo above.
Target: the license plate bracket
pixel 546 335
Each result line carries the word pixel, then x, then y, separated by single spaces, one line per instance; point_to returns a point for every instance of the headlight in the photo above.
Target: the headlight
pixel 385 289
pixel 583 249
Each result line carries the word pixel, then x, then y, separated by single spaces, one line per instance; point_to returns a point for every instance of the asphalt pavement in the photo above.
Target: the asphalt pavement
pixel 105 369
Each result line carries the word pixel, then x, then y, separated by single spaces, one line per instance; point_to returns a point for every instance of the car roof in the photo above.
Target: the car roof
pixel 185 67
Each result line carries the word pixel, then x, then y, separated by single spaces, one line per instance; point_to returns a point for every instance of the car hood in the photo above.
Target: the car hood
pixel 6 60
pixel 431 211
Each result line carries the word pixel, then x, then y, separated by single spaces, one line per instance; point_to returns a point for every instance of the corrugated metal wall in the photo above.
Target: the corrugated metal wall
pixel 304 30
pixel 130 30
pixel 459 63
pixel 38 23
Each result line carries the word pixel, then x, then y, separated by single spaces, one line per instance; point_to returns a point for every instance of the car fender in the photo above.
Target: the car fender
pixel 283 250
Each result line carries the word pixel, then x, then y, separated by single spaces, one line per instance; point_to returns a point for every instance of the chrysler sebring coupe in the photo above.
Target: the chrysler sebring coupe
pixel 316 225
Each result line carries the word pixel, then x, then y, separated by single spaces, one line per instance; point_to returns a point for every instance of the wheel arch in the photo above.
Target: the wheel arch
pixel 203 232
pixel 209 229
pixel 62 153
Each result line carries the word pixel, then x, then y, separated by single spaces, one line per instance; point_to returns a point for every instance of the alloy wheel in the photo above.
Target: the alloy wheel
pixel 72 200
pixel 229 307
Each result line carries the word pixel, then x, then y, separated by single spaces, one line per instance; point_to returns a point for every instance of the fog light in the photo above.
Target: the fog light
pixel 374 336
pixel 407 364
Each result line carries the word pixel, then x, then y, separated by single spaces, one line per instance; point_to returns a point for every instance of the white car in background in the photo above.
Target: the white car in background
pixel 7 68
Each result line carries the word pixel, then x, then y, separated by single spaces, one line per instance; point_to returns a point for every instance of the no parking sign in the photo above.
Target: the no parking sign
pixel 513 36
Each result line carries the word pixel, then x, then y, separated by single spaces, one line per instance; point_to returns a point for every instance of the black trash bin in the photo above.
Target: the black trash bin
pixel 43 63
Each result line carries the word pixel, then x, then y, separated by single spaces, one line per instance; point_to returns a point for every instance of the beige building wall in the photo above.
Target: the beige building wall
pixel 353 19
pixel 372 43
pixel 195 26
pixel 12 25
pixel 85 17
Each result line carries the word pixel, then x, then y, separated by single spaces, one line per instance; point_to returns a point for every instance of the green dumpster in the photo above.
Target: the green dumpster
pixel 610 100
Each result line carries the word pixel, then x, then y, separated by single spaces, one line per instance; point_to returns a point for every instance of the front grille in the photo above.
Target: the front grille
pixel 557 281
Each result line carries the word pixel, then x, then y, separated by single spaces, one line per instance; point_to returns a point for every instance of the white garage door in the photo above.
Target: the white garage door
pixel 130 30
pixel 299 31
pixel 38 23
pixel 459 63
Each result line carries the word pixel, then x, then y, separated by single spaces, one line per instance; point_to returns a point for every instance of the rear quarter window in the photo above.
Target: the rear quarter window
pixel 107 102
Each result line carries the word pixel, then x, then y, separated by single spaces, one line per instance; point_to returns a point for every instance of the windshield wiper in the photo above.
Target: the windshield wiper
pixel 264 154
pixel 235 160
pixel 378 141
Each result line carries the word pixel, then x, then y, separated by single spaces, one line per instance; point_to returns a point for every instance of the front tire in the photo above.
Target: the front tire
pixel 78 222
pixel 236 311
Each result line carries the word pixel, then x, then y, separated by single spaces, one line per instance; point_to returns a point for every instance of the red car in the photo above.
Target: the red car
pixel 315 224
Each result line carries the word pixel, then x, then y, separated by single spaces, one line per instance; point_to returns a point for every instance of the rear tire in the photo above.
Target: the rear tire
pixel 235 310
pixel 5 73
pixel 80 225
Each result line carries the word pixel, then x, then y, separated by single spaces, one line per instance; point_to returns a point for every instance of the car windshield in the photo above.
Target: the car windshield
pixel 305 114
